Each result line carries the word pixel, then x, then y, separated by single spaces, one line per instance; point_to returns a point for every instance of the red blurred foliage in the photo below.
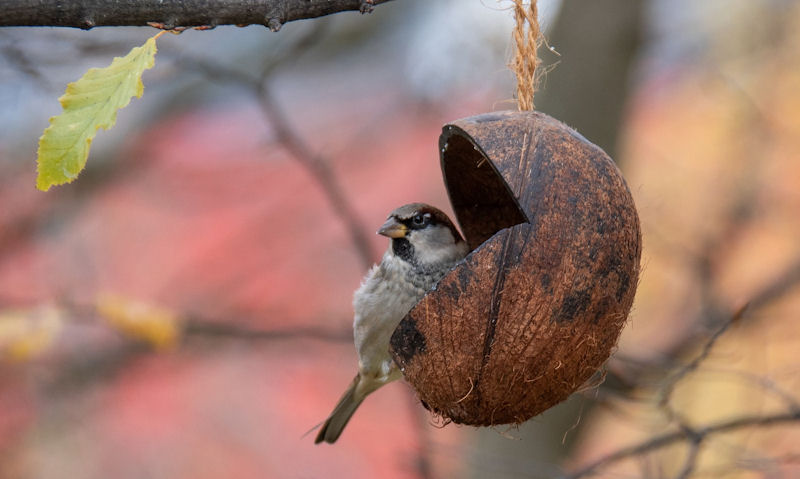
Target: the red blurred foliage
pixel 206 216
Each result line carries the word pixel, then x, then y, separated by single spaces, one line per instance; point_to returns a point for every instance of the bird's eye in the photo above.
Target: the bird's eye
pixel 419 220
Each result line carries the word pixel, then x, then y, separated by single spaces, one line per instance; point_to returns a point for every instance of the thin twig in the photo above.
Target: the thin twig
pixel 785 282
pixel 764 382
pixel 317 166
pixel 667 439
pixel 76 374
pixel 210 329
pixel 670 383
pixel 319 169
pixel 690 463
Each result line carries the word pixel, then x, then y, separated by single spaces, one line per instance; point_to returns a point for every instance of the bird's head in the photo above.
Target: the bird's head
pixel 423 235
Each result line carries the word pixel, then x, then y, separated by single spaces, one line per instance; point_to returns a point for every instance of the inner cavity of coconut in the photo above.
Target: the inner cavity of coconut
pixel 481 199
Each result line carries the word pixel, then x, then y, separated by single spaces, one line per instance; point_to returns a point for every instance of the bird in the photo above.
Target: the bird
pixel 424 246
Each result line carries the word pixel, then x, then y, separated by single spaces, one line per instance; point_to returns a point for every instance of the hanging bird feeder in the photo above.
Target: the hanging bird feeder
pixel 537 306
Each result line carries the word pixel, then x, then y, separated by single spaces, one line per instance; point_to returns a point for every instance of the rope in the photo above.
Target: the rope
pixel 525 59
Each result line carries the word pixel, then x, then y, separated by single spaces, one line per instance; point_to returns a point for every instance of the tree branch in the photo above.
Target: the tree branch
pixel 171 15
pixel 316 164
pixel 695 436
pixel 78 372
pixel 681 373
pixel 214 329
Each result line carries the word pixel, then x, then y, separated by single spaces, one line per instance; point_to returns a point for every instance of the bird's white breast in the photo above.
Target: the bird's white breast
pixel 384 298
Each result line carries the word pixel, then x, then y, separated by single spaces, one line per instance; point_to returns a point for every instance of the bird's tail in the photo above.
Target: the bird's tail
pixel 341 414
pixel 333 426
pixel 361 387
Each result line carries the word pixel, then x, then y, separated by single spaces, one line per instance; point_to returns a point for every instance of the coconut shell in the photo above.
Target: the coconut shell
pixel 537 306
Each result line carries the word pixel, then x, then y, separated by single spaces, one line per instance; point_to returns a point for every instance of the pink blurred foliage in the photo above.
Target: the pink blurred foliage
pixel 209 216
pixel 246 413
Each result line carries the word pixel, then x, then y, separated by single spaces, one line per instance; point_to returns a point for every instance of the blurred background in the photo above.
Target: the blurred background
pixel 183 309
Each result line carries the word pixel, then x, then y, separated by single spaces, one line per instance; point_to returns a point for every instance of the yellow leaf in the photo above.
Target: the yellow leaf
pixel 155 325
pixel 89 104
pixel 25 334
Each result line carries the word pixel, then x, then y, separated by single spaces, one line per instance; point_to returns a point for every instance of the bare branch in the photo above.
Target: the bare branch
pixel 691 461
pixel 778 287
pixel 762 381
pixel 695 436
pixel 682 372
pixel 77 373
pixel 317 165
pixel 173 15
pixel 199 328
pixel 321 171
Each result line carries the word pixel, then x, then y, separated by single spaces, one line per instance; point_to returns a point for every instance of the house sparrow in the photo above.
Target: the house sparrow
pixel 425 245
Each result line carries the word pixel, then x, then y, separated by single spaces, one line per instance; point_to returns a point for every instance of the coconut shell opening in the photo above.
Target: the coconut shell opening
pixel 480 197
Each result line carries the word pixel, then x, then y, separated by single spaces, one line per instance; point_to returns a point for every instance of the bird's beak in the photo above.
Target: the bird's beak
pixel 393 229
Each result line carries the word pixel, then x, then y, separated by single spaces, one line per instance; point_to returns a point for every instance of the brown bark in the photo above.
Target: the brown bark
pixel 170 15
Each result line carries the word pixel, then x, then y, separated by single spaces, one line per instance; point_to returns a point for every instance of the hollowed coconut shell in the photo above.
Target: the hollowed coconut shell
pixel 537 306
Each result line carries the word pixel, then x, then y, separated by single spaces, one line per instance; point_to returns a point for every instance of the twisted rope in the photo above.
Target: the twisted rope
pixel 525 59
